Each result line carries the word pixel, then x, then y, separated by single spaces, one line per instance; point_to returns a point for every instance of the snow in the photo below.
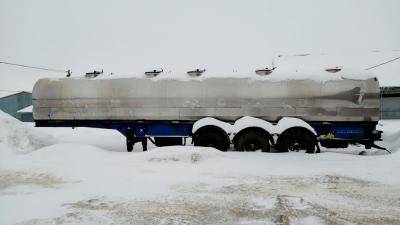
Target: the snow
pixel 353 64
pixel 26 109
pixel 85 176
pixel 308 220
pixel 248 121
pixel 181 154
pixel 288 122
pixel 391 137
pixel 211 121
pixel 19 138
pixel 278 75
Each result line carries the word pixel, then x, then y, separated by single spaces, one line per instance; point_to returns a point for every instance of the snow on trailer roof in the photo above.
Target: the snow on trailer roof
pixel 361 62
pixel 277 75
pixel 320 67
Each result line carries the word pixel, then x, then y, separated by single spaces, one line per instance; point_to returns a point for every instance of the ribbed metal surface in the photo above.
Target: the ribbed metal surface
pixel 390 108
pixel 14 102
pixel 223 98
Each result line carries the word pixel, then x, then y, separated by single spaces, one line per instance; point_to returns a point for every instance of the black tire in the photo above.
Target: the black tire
pixel 253 140
pixel 212 138
pixel 297 140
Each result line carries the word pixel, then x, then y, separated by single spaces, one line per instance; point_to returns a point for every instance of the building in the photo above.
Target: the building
pixel 25 114
pixel 390 103
pixel 11 102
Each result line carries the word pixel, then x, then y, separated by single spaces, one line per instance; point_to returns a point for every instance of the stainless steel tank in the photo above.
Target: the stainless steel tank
pixel 226 99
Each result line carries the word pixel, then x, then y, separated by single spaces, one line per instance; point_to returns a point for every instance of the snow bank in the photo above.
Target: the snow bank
pixel 391 135
pixel 69 151
pixel 20 138
pixel 181 154
pixel 26 109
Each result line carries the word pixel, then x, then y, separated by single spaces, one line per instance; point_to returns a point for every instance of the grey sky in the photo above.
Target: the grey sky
pixel 127 37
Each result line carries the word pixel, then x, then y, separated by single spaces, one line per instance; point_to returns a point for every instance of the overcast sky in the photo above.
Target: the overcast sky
pixel 127 37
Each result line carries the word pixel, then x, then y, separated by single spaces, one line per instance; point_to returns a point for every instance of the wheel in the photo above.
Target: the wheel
pixel 253 140
pixel 296 140
pixel 212 138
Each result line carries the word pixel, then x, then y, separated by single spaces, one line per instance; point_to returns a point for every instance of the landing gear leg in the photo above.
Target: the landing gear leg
pixel 140 139
pixel 381 148
pixel 373 145
pixel 129 139
pixel 144 144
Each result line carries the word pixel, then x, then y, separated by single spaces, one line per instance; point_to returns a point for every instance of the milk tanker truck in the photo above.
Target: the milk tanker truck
pixel 247 113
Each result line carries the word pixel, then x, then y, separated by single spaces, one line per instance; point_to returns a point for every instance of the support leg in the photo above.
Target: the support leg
pixel 381 148
pixel 144 144
pixel 318 149
pixel 129 139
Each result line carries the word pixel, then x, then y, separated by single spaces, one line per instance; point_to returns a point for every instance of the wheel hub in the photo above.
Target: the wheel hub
pixel 251 146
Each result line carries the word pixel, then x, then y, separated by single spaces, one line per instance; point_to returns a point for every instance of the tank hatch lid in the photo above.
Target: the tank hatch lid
pixel 153 73
pixel 196 73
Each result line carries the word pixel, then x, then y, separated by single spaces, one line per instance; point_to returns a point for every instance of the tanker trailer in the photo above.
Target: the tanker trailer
pixel 248 112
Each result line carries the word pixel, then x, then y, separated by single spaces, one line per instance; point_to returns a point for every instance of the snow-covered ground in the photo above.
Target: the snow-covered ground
pixel 85 176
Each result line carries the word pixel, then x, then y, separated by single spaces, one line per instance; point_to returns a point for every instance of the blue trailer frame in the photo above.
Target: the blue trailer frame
pixel 362 132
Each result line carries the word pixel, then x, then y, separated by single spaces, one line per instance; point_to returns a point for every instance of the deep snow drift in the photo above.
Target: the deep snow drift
pixel 84 176
pixel 20 138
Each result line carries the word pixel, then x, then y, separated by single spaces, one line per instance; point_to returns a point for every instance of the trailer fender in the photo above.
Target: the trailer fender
pixel 212 133
pixel 289 122
pixel 289 127
pixel 248 122
pixel 209 121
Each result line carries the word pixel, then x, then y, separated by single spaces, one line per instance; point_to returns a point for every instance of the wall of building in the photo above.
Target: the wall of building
pixel 12 103
pixel 390 108
pixel 390 102
pixel 25 116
